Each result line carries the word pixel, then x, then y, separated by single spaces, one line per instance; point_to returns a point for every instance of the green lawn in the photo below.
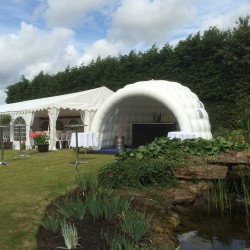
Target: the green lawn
pixel 28 185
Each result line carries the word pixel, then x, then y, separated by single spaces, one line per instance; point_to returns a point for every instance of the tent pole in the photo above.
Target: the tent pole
pixel 2 144
pixel 2 163
pixel 76 130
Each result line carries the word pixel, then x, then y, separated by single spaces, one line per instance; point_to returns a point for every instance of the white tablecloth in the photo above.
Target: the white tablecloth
pixel 85 139
pixel 181 135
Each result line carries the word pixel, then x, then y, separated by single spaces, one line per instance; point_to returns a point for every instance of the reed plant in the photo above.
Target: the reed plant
pixel 76 208
pixel 80 208
pixel 114 205
pixel 86 182
pixel 218 200
pixel 220 195
pixel 135 224
pixel 246 200
pixel 118 242
pixel 70 235
pixel 94 204
pixel 66 208
pixel 51 223
pixel 121 242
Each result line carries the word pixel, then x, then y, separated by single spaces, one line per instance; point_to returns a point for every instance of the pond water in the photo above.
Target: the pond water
pixel 202 232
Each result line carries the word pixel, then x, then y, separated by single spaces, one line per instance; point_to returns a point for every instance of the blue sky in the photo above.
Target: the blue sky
pixel 50 35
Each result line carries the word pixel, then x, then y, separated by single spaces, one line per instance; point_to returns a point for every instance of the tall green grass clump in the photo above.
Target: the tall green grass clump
pixel 51 223
pixel 118 242
pixel 114 205
pixel 94 204
pixel 67 208
pixel 135 224
pixel 86 182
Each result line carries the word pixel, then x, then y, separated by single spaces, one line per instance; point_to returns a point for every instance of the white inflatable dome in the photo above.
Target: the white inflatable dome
pixel 136 103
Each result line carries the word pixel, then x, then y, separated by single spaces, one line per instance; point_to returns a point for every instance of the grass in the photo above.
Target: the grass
pixel 28 185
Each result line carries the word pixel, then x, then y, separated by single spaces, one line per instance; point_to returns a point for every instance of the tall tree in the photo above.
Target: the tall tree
pixel 19 91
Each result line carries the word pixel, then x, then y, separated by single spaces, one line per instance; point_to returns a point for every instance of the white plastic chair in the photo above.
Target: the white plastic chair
pixel 66 136
pixel 59 138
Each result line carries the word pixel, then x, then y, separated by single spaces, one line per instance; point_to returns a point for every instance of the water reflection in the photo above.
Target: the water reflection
pixel 192 241
pixel 202 232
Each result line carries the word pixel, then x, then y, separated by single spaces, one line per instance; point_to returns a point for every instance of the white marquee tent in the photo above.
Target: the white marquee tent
pixel 136 103
pixel 81 105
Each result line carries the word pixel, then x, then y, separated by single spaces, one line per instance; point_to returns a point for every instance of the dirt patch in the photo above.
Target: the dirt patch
pixel 90 235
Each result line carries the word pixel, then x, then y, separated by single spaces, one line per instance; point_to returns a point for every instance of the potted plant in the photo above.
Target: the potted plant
pixel 41 140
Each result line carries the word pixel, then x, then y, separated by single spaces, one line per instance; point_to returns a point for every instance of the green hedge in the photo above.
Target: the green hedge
pixel 137 173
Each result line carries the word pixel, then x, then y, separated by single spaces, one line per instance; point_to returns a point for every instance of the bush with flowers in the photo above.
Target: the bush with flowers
pixel 40 138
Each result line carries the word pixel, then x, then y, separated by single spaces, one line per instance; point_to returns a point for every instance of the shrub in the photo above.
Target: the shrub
pixel 137 173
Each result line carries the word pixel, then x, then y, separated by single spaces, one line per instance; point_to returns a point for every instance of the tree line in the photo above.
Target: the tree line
pixel 214 65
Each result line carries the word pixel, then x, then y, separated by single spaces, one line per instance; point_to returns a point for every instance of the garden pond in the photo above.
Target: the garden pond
pixel 201 231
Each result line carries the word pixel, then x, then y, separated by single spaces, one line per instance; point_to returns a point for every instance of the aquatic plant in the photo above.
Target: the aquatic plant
pixel 218 200
pixel 246 200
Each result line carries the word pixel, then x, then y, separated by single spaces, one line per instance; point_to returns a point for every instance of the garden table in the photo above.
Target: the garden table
pixel 182 135
pixel 85 139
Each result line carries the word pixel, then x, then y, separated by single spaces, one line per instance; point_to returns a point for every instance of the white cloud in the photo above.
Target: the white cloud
pixel 226 20
pixel 148 22
pixel 67 12
pixel 31 50
pixel 68 57
pixel 100 48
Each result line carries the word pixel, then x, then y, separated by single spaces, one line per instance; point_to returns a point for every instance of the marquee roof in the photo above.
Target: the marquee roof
pixel 85 100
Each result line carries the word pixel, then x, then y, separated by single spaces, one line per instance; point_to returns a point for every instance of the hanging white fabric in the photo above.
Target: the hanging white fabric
pixel 87 117
pixel 82 114
pixel 29 121
pixel 91 118
pixel 53 114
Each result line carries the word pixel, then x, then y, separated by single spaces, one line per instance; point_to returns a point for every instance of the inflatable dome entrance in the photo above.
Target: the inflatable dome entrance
pixel 150 102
